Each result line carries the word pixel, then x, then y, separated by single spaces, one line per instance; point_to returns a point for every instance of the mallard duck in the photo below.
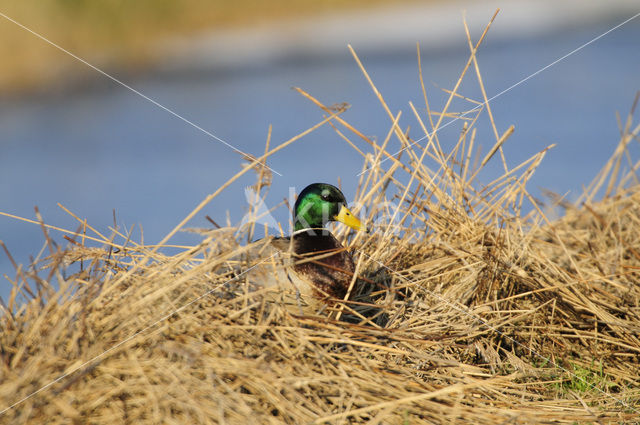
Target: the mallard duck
pixel 318 263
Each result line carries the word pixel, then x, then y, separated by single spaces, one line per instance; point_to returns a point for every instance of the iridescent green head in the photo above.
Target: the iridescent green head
pixel 320 203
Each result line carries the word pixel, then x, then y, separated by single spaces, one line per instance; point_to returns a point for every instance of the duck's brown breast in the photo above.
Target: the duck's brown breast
pixel 322 260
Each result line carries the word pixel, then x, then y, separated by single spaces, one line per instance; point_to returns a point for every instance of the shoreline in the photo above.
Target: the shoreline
pixel 385 28
pixel 380 29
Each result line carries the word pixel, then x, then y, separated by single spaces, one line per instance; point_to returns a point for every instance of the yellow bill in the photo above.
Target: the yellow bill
pixel 345 216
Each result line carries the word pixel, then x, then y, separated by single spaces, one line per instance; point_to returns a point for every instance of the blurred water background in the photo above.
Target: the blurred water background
pixel 96 147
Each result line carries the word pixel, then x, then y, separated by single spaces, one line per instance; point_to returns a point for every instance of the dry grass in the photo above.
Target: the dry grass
pixel 493 316
pixel 124 34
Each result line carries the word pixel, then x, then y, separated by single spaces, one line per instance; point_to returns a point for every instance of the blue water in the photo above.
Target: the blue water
pixel 104 148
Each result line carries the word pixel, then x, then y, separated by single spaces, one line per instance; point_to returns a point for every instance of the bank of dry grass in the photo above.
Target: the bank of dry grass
pixel 492 315
pixel 123 34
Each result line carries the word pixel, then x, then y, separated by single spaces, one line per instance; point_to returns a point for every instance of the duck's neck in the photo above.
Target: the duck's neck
pixel 299 225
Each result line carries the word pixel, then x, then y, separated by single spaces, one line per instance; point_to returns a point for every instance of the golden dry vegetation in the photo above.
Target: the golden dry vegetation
pixel 124 34
pixel 489 315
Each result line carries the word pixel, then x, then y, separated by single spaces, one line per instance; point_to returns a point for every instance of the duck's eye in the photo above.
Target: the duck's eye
pixel 325 196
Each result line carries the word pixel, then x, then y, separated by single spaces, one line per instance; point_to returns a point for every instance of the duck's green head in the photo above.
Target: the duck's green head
pixel 320 203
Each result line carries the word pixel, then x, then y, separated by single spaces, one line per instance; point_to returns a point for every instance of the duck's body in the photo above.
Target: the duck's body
pixel 320 261
pixel 312 259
